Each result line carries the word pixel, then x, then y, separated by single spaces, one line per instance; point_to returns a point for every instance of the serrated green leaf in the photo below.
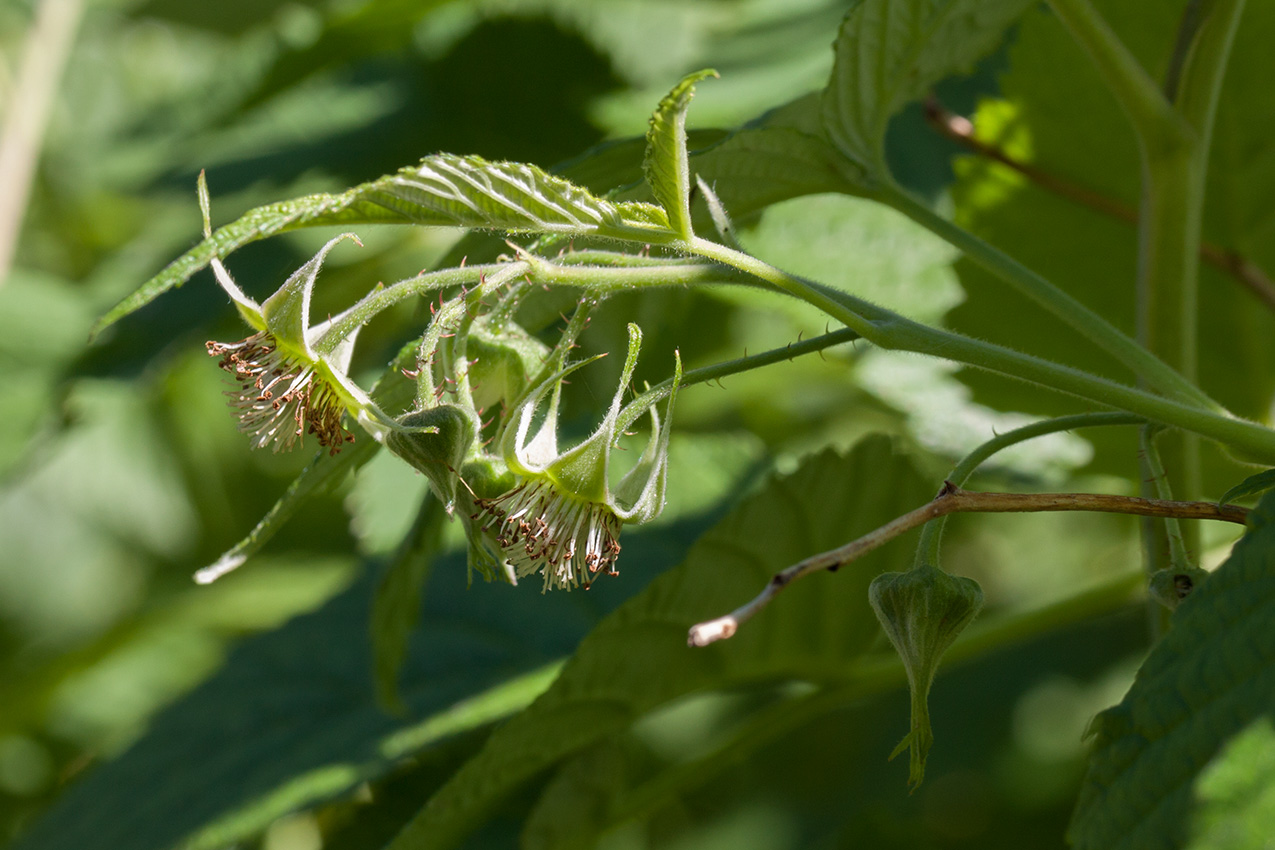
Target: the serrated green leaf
pixel 320 476
pixel 782 154
pixel 1209 678
pixel 890 52
pixel 637 659
pixel 323 473
pixel 1251 486
pixel 665 163
pixel 572 812
pixel 443 190
pixel 396 607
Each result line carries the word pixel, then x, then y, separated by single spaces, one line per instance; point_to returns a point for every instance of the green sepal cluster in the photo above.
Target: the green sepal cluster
pixel 922 612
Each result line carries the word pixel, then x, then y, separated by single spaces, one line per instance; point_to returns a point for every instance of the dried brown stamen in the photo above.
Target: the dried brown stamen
pixel 279 398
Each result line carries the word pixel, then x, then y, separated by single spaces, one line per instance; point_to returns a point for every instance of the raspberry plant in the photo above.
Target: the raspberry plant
pixel 480 370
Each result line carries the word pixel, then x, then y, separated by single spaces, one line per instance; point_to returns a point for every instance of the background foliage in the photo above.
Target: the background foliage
pixel 140 711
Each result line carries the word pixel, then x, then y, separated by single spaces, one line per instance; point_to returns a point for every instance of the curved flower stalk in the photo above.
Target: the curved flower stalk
pixel 292 377
pixel 562 519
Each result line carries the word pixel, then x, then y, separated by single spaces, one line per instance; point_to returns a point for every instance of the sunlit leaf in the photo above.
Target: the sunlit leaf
pixel 1237 794
pixel 443 190
pixel 665 162
pixel 890 52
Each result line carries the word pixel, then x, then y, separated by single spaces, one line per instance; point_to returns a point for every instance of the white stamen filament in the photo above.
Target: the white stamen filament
pixel 275 418
pixel 540 529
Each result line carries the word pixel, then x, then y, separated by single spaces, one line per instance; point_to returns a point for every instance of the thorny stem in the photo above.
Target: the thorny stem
pixel 638 406
pixel 598 271
pixel 889 330
pixel 953 499
pixel 1179 559
pixel 1144 364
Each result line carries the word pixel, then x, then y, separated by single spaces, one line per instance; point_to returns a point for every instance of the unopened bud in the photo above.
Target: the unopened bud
pixel 436 441
pixel 504 359
pixel 922 612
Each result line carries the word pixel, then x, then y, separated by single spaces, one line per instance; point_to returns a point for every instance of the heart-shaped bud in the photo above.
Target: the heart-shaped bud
pixel 922 612
pixel 437 442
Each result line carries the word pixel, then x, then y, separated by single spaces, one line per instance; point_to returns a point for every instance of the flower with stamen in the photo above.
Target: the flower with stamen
pixel 292 377
pixel 563 519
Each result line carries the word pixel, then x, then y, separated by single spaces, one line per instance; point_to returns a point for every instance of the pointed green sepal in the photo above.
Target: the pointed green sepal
pixel 639 497
pixel 583 470
pixel 287 311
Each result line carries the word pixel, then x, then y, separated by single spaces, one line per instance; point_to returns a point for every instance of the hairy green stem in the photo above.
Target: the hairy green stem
pixel 378 300
pixel 1134 89
pixel 1143 363
pixel 1158 481
pixel 603 272
pixel 1169 234
pixel 927 549
pixel 639 405
pixel 889 330
pixel 449 317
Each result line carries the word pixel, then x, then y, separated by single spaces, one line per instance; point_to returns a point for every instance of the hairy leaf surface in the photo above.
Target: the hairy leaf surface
pixel 293 719
pixel 665 163
pixel 1069 126
pixel 443 190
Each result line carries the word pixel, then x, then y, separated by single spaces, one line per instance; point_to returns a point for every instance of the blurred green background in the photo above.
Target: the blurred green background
pixel 121 472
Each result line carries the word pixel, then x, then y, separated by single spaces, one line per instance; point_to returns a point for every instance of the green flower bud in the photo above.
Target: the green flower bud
pixel 504 358
pixel 922 612
pixel 437 442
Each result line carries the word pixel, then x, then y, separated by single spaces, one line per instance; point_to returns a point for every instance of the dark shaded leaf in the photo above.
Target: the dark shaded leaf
pixel 638 659
pixel 1209 678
